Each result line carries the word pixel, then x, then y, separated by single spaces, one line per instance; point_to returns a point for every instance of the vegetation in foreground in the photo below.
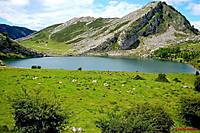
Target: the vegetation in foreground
pixel 188 52
pixel 90 95
pixel 35 114
pixel 139 119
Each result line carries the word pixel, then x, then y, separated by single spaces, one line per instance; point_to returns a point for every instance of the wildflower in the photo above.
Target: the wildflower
pixel 106 84
pixel 34 78
pixel 94 81
pixel 74 80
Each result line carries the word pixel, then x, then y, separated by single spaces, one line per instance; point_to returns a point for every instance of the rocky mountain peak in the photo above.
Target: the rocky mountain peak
pixel 142 31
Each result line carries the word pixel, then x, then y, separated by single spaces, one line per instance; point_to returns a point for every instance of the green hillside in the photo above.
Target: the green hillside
pixel 58 43
pixel 188 52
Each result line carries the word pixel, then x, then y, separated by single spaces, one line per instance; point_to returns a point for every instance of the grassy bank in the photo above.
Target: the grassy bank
pixel 89 95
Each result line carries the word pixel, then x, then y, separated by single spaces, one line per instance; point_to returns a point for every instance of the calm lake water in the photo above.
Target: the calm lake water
pixel 104 63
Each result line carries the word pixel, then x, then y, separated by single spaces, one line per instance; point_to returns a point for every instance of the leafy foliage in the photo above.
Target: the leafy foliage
pixel 33 113
pixel 141 118
pixel 190 110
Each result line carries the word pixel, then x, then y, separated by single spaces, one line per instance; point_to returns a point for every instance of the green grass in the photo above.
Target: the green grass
pixel 89 100
pixel 49 47
pixel 98 23
pixel 70 32
pixel 44 34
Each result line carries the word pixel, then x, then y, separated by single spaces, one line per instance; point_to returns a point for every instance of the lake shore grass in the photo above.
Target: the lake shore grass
pixel 89 95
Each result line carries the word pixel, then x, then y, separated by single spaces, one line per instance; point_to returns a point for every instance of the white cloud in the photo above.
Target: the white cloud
pixel 194 8
pixel 196 24
pixel 56 11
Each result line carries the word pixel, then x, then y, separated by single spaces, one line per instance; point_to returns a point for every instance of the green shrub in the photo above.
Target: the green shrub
pixel 197 84
pixel 36 67
pixel 162 78
pixel 190 111
pixel 139 119
pixel 36 114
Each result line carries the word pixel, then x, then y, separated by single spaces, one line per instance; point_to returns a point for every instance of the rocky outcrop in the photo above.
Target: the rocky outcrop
pixel 128 41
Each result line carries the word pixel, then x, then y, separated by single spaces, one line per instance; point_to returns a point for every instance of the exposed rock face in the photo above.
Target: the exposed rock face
pixel 133 34
pixel 15 32
pixel 11 49
pixel 128 41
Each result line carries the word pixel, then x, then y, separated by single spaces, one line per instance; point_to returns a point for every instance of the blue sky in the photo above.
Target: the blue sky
pixel 38 14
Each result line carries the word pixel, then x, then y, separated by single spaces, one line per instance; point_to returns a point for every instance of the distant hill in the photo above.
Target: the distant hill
pixel 138 33
pixel 15 32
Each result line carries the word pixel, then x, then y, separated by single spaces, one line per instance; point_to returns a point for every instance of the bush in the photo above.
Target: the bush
pixel 141 118
pixel 36 67
pixel 162 78
pixel 197 84
pixel 33 113
pixel 138 77
pixel 80 68
pixel 190 111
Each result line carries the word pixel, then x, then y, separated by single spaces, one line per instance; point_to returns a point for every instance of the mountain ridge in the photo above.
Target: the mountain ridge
pixel 15 32
pixel 138 33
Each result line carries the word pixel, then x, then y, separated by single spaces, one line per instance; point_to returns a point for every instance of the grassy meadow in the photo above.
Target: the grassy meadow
pixel 89 95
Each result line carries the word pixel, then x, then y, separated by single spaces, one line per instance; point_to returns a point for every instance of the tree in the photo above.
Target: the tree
pixel 34 113
pixel 139 119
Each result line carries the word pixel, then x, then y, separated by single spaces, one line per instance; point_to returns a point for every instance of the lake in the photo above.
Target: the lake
pixel 104 63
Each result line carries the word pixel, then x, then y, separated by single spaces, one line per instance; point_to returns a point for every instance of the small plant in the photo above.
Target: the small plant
pixel 190 111
pixel 34 113
pixel 176 80
pixel 162 78
pixel 141 118
pixel 138 77
pixel 197 84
